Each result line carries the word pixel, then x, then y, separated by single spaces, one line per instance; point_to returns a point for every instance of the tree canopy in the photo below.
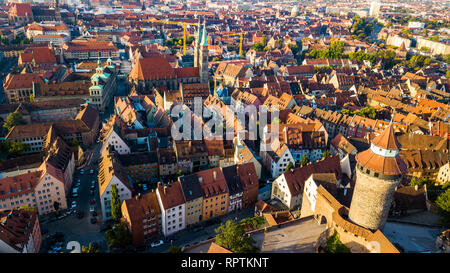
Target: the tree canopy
pixel 289 166
pixel 304 160
pixel 90 249
pixel 334 244
pixel 174 249
pixel 13 119
pixel 418 61
pixel 361 28
pixel 116 210
pixel 232 236
pixel 252 223
pixel 443 204
pixel 118 236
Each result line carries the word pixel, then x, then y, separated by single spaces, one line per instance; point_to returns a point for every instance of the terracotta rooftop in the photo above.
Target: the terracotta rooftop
pixel 171 195
pixel 387 139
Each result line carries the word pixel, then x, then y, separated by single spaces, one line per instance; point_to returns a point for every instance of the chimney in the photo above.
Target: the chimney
pixel 165 187
pixel 214 175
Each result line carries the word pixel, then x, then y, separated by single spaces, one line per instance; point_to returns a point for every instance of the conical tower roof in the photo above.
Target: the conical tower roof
pixel 387 139
pixel 383 156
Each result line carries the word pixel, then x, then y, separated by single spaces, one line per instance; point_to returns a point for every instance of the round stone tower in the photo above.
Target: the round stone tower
pixel 378 172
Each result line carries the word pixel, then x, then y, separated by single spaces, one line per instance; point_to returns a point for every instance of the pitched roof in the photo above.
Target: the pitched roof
pixel 212 182
pixel 138 206
pixel 296 178
pixel 191 187
pixel 171 195
pixel 152 69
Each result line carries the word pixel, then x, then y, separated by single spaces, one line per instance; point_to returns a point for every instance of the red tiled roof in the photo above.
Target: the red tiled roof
pixel 152 69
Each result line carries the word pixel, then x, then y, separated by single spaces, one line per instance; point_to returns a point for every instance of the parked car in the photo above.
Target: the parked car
pixel 80 214
pixel 93 220
pixel 157 243
pixel 92 202
pixel 57 248
pixel 91 192
pixel 92 209
pixel 94 213
pixel 91 171
pixel 74 204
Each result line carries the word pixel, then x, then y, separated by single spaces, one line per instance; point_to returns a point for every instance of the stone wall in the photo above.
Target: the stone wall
pixel 359 239
pixel 371 201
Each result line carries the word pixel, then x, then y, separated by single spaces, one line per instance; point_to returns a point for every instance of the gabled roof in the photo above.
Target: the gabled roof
pixel 296 178
pixel 191 187
pixel 171 195
pixel 152 69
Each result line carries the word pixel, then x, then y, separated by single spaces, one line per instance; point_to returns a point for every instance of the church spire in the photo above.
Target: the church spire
pixel 204 41
pixel 199 32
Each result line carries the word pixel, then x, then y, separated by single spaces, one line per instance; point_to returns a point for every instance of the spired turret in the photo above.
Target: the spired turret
pixel 379 170
pixel 203 56
pixel 197 45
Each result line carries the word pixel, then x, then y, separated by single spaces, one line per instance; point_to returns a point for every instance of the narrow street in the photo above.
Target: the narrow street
pixel 200 232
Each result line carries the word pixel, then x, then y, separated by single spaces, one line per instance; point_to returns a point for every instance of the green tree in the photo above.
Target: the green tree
pixel 336 49
pixel 418 181
pixel 418 61
pixel 116 210
pixel 232 236
pixel 252 223
pixel 347 112
pixel 13 119
pixel 16 148
pixel 89 249
pixel 74 143
pixel 216 59
pixel 367 112
pixel 443 204
pixel 447 74
pixel 334 244
pixel 304 160
pixel 388 58
pixel 174 249
pixel 447 58
pixel 178 174
pixel 294 49
pixel 289 167
pixel 433 190
pixel 258 47
pixel 361 28
pixel 118 236
pixel 326 153
pixel 264 39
